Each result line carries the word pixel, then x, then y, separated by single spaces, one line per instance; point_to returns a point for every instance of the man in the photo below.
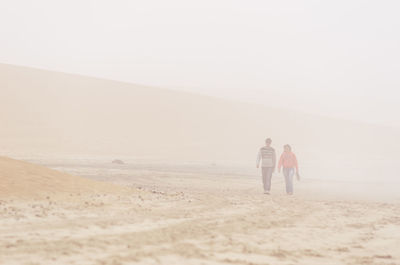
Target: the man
pixel 268 157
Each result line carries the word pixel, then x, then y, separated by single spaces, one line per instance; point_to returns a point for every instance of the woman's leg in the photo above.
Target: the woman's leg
pixel 288 173
pixel 289 189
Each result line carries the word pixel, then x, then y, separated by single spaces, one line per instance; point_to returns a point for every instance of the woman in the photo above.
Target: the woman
pixel 289 162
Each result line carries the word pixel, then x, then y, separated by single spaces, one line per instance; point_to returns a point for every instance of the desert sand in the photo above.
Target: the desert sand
pixel 184 217
pixel 189 192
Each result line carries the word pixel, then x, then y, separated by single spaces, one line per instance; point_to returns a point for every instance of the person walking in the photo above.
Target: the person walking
pixel 289 163
pixel 267 155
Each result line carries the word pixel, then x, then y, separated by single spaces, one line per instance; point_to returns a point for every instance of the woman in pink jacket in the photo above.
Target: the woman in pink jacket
pixel 288 161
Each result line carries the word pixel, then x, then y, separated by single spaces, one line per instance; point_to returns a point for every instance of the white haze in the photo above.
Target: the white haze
pixel 319 58
pixel 335 58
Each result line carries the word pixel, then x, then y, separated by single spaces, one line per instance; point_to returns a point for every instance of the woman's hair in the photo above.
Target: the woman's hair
pixel 287 146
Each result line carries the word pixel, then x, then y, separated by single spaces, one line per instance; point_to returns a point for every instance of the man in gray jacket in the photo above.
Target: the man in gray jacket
pixel 268 157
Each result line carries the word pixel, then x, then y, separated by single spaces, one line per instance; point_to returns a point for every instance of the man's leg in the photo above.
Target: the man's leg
pixel 264 177
pixel 267 186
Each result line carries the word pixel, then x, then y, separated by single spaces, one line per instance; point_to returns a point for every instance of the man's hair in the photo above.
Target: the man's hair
pixel 268 140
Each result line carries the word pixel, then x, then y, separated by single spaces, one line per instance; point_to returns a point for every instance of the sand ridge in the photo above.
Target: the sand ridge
pixel 21 179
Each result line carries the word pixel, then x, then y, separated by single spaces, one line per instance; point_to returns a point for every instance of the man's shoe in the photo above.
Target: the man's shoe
pixel 266 192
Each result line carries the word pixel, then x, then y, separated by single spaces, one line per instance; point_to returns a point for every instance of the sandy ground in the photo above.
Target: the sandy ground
pixel 188 218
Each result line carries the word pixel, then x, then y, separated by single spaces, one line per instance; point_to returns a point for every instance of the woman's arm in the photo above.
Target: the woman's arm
pixel 297 167
pixel 296 163
pixel 280 163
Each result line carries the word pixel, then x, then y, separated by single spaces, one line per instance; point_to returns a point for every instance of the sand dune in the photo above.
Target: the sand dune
pixel 55 113
pixel 20 179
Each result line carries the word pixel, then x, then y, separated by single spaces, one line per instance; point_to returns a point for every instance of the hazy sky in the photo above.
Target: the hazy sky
pixel 338 58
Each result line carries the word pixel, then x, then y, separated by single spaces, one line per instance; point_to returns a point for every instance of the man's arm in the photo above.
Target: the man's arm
pixel 273 161
pixel 258 159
